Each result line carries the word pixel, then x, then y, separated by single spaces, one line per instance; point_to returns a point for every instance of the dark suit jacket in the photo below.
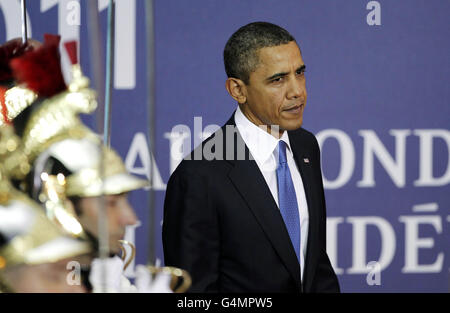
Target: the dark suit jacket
pixel 222 225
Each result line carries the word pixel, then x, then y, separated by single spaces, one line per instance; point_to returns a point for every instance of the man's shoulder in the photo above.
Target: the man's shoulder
pixel 206 157
pixel 302 132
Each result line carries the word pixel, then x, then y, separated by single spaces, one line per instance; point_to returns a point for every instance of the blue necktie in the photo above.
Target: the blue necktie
pixel 287 199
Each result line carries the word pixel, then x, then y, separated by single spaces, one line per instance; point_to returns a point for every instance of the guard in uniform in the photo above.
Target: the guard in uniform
pixel 34 251
pixel 59 144
pixel 69 160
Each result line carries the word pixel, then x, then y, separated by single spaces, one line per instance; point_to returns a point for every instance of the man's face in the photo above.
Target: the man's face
pixel 120 214
pixel 276 93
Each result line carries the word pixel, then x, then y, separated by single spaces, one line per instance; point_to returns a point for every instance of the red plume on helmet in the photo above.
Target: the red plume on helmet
pixel 71 48
pixel 12 49
pixel 40 70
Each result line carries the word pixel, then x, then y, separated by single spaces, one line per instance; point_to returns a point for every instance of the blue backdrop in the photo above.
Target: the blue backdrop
pixel 378 101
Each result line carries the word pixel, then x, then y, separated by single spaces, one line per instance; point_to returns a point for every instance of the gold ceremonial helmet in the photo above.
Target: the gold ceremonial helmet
pixel 31 238
pixel 13 160
pixel 94 171
pixel 57 118
pixel 53 128
pixel 54 113
pixel 14 99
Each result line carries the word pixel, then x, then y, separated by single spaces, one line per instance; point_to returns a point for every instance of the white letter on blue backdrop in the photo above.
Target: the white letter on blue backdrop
pixel 124 42
pixel 426 157
pixel 388 243
pixel 11 11
pixel 139 148
pixel 332 243
pixel 413 243
pixel 373 146
pixel 66 30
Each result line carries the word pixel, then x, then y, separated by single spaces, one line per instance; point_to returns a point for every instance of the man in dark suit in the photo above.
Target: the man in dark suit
pixel 245 211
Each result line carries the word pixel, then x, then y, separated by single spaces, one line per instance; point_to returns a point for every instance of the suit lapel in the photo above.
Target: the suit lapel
pixel 250 183
pixel 304 161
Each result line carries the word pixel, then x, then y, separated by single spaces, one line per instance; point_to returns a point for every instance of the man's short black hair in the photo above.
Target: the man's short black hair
pixel 241 51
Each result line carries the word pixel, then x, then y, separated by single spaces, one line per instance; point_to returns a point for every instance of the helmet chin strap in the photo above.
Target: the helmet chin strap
pixel 40 165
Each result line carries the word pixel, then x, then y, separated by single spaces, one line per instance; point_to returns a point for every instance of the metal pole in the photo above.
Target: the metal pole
pixel 97 58
pixel 109 73
pixel 151 124
pixel 24 22
pixel 99 83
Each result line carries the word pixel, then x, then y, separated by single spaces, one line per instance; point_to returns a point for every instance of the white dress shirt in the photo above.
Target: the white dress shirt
pixel 262 146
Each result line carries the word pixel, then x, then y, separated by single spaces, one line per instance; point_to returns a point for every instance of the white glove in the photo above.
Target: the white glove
pixel 126 286
pixel 146 284
pixel 114 271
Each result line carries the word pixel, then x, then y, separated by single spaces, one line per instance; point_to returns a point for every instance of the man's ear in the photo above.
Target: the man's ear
pixel 237 89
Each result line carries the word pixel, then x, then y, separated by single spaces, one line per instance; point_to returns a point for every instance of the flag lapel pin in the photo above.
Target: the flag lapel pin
pixel 306 160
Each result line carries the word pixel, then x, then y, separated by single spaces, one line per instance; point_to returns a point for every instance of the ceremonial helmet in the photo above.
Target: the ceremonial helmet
pixel 54 138
pixel 27 236
pixel 16 156
pixel 13 99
